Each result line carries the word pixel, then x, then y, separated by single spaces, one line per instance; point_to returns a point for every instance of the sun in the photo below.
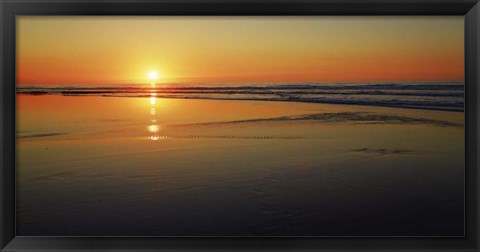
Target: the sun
pixel 152 75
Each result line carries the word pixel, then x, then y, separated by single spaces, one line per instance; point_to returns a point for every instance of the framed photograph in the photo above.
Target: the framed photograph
pixel 269 125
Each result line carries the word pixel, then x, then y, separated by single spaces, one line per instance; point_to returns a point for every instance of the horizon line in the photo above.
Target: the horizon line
pixel 235 82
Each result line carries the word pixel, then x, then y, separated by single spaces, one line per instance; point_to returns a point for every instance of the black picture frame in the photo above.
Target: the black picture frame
pixel 11 8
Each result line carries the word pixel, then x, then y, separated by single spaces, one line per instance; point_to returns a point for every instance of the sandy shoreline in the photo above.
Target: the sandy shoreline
pixel 143 166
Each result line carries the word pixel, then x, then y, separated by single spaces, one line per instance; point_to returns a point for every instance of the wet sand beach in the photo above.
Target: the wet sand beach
pixel 112 166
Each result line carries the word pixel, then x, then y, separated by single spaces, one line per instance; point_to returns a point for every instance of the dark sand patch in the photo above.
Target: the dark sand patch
pixel 382 151
pixel 42 135
pixel 352 117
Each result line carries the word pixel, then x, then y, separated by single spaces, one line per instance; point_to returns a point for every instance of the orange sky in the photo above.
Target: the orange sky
pixel 70 50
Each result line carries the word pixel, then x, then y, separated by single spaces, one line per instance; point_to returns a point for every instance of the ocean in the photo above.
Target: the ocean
pixel 447 96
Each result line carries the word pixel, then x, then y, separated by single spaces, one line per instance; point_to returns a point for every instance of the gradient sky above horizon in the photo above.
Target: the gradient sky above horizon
pixel 100 50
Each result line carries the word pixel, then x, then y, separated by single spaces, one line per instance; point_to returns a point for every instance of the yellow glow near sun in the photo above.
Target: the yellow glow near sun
pixel 152 75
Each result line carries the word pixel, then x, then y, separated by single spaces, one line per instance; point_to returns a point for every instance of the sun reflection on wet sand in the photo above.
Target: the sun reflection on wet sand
pixel 154 127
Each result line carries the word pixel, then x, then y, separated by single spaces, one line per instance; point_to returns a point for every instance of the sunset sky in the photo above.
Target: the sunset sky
pixel 83 50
